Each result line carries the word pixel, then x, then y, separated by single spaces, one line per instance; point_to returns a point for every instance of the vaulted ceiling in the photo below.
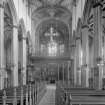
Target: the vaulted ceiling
pixel 56 13
pixel 64 3
pixel 57 9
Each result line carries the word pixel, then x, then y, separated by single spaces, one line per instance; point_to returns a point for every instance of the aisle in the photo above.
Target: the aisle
pixel 49 97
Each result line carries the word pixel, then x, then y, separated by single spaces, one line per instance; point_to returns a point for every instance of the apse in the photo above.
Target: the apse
pixel 53 38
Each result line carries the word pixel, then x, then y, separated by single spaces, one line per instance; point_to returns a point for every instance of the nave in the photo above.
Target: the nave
pixel 51 94
pixel 52 52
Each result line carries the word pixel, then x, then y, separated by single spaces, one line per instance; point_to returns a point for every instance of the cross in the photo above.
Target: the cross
pixel 51 34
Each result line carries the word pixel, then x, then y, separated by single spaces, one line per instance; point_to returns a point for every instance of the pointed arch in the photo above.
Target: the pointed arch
pixel 13 12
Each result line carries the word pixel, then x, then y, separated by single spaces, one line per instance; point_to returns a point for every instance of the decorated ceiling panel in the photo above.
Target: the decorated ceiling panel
pixel 64 3
pixel 48 11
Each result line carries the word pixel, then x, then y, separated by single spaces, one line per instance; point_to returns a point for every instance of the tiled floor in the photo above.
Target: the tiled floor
pixel 49 97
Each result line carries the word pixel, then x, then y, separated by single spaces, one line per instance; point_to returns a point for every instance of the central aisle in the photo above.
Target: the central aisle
pixel 49 97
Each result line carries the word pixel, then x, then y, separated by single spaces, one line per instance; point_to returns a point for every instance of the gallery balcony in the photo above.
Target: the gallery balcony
pixel 45 58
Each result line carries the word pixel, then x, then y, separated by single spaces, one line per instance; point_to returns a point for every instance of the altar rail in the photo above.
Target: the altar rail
pixel 79 96
pixel 24 95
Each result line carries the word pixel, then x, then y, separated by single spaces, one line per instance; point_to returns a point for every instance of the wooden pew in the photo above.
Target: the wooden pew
pixel 23 95
pixel 80 96
pixel 84 97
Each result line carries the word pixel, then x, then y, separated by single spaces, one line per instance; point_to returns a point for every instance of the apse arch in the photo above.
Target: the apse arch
pixel 59 26
pixel 62 27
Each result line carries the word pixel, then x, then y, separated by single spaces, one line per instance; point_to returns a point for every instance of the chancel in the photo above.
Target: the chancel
pixel 52 52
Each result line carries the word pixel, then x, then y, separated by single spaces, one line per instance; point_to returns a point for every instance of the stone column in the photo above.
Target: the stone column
pixel 15 56
pixel 45 69
pixel 85 47
pixel 78 63
pixel 68 72
pixel 85 77
pixel 79 72
pixel 98 75
pixel 24 59
pixel 58 72
pixel 36 45
pixel 79 77
pixel 87 61
pixel 75 67
pixel 1 44
pixel 63 73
